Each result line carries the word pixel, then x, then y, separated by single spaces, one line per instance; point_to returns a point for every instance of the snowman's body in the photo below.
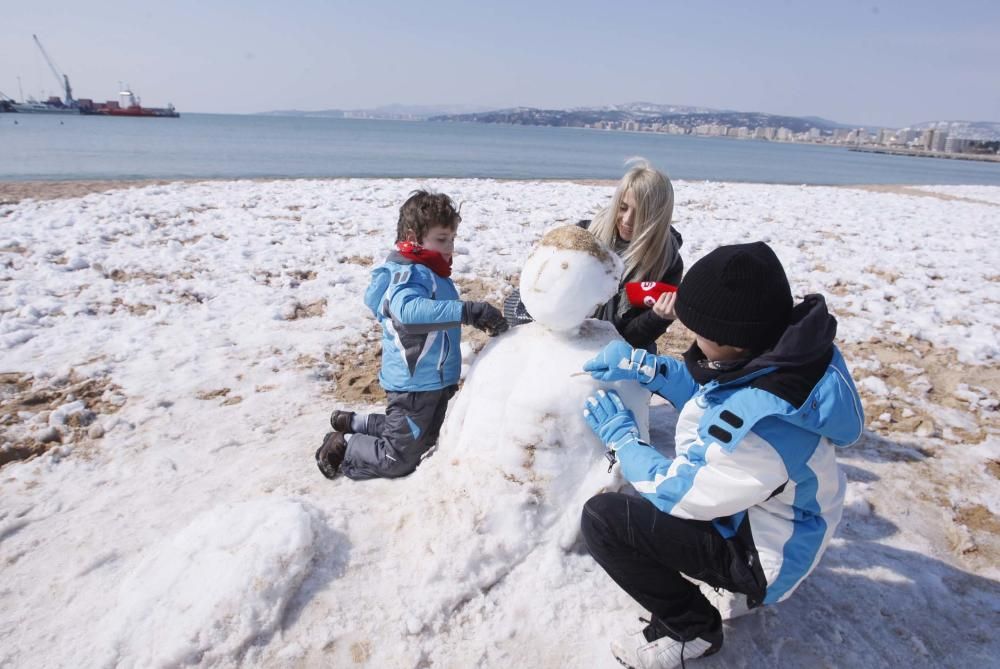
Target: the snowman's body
pixel 519 415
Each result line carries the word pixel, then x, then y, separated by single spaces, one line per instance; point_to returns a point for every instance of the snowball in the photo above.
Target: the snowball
pixel 75 263
pixel 61 413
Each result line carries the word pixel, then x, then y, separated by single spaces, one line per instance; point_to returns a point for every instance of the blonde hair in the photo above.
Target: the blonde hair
pixel 652 249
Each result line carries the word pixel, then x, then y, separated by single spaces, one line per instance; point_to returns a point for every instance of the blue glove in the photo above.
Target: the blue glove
pixel 619 361
pixel 612 422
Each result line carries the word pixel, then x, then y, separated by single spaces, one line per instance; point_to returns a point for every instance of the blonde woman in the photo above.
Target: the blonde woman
pixel 637 226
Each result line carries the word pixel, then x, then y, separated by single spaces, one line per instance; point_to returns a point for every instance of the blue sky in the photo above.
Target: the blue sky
pixel 871 63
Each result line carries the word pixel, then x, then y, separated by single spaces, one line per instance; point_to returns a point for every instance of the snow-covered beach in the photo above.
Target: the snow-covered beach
pixel 170 355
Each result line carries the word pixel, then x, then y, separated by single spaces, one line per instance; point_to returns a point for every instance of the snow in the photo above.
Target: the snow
pixel 519 421
pixel 176 347
pixel 213 587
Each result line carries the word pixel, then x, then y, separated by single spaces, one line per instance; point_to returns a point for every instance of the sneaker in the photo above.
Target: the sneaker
pixel 330 455
pixel 637 651
pixel 341 421
pixel 729 604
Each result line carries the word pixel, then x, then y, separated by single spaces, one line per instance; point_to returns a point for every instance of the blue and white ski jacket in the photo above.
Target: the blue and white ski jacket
pixel 421 318
pixel 759 443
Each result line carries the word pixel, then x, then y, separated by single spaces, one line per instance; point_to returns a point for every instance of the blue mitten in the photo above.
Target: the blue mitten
pixel 611 421
pixel 619 361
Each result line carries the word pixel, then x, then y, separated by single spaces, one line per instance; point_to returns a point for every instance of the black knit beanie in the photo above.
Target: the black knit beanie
pixel 736 295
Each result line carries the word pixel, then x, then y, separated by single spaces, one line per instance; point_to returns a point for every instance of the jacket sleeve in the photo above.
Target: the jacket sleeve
pixel 707 481
pixel 641 330
pixel 412 303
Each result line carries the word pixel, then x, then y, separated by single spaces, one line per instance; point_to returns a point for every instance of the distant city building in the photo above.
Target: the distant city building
pixel 940 139
pixel 927 139
pixel 956 145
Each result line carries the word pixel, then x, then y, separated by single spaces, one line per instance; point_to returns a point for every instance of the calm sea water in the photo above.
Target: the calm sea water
pixel 210 145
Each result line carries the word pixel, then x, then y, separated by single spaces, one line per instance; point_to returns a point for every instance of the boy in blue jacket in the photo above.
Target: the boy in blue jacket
pixel 417 305
pixel 753 494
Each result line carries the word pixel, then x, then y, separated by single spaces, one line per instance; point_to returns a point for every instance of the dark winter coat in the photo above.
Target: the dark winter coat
pixel 639 326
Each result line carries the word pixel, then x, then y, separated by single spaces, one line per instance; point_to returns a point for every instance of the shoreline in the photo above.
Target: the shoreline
pixel 887 151
pixel 13 192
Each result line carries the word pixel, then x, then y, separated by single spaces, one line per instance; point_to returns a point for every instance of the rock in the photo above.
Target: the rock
pixel 926 428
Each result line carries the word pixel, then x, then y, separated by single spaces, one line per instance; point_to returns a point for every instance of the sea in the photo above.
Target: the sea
pixel 194 146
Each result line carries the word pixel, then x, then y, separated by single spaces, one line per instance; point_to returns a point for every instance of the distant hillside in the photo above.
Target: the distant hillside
pixel 588 117
pixel 827 123
pixel 652 108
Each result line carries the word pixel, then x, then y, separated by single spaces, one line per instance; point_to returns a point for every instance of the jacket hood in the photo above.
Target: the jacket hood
pixel 381 277
pixel 806 374
pixel 809 336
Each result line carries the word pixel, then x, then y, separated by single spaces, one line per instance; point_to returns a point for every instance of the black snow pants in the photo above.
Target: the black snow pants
pixel 645 551
pixel 393 443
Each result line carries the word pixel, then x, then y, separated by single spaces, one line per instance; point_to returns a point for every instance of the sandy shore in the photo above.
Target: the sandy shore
pixel 15 191
pixel 12 192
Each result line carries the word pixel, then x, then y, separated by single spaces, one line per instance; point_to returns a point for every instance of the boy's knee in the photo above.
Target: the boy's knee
pixel 600 514
pixel 395 468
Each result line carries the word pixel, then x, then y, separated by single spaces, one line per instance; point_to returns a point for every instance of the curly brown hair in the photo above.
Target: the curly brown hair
pixel 424 210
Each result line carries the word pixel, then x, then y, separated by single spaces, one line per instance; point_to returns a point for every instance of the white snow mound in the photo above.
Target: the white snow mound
pixel 207 592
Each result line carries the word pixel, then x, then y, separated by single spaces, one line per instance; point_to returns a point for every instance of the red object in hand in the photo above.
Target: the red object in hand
pixel 645 293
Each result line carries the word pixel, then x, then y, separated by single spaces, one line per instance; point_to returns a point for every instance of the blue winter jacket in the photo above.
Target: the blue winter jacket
pixel 421 318
pixel 757 445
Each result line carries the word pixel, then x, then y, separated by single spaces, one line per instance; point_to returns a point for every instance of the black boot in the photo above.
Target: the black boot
pixel 330 455
pixel 341 421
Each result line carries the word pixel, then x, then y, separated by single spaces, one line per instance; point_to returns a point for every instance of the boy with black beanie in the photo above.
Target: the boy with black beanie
pixel 753 494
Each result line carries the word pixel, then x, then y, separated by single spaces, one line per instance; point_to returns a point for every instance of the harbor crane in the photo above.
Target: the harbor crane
pixel 61 78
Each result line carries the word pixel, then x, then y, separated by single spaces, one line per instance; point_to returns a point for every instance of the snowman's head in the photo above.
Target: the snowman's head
pixel 567 276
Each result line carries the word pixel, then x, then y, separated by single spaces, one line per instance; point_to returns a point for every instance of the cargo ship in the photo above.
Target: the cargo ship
pixel 127 104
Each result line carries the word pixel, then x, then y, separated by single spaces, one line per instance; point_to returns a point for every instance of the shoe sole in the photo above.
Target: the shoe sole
pixel 325 468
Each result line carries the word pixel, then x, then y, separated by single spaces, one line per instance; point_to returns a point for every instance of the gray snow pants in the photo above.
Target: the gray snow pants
pixel 393 443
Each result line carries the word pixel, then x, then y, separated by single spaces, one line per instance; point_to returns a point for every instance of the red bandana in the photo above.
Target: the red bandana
pixel 432 259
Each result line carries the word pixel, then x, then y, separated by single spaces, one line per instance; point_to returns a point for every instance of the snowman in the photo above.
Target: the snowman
pixel 494 513
pixel 519 414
